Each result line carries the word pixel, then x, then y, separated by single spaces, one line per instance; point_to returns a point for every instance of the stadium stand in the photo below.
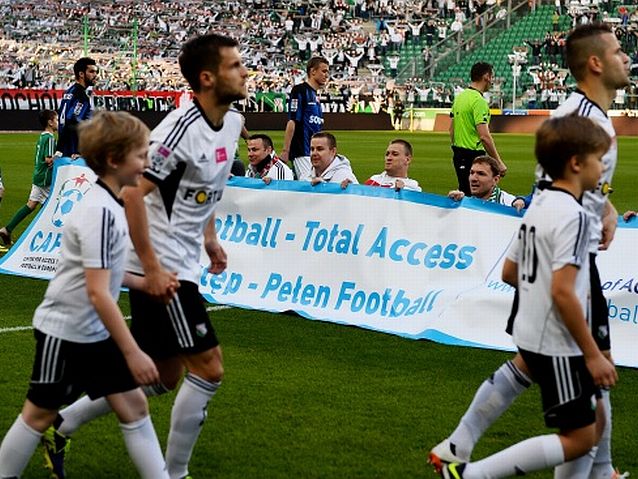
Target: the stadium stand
pixel 380 51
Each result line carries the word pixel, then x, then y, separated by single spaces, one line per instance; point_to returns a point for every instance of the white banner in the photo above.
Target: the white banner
pixel 37 251
pixel 412 264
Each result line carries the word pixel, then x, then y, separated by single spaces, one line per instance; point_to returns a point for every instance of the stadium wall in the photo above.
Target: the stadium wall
pixel 624 125
pixel 21 120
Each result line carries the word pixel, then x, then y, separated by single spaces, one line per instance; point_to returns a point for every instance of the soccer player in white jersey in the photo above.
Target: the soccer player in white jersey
pixel 262 161
pixel 548 263
pixel 82 341
pixel 171 215
pixel 398 157
pixel 599 66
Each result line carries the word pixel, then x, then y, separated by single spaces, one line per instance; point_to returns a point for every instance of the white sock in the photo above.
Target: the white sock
pixel 80 412
pixel 17 448
pixel 144 449
pixel 85 410
pixel 603 467
pixel 533 454
pixel 187 419
pixel 577 468
pixel 492 399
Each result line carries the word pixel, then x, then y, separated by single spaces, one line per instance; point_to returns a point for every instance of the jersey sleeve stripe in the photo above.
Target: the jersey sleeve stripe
pixel 581 238
pixel 108 222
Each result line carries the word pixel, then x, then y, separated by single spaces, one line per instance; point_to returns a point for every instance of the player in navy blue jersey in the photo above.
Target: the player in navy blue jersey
pixel 305 117
pixel 75 106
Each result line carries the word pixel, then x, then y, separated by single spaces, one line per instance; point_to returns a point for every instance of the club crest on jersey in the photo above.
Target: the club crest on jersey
pixel 159 157
pixel 220 155
pixel 201 330
pixel 78 109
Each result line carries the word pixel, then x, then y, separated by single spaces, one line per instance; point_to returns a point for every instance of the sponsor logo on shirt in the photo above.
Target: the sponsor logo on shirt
pixel 202 196
pixel 294 104
pixel 220 155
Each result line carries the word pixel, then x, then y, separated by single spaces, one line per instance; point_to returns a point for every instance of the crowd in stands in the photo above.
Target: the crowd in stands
pixel 136 44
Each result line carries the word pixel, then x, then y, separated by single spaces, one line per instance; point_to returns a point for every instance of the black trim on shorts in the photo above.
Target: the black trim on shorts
pixel 509 329
pixel 599 309
pixel 167 330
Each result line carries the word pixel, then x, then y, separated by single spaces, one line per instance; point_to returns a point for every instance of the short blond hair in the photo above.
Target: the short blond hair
pixel 110 134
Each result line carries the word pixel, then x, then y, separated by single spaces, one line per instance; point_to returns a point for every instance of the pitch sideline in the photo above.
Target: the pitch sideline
pixel 29 328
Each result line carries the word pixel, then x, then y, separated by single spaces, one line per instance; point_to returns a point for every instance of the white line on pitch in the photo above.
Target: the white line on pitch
pixel 29 328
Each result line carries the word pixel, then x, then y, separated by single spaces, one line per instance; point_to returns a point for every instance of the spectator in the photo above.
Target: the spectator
pixel 327 165
pixel 398 157
pixel 484 178
pixel 263 162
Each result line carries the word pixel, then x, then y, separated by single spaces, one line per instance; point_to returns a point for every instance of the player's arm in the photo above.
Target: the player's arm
pixel 290 131
pixel 160 282
pixel 140 364
pixel 510 272
pixel 571 312
pixel 610 222
pixel 215 251
pixel 490 147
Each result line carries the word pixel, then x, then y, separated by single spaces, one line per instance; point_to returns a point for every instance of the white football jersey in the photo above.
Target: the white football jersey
pixel 386 181
pixel 95 236
pixel 593 200
pixel 190 163
pixel 554 233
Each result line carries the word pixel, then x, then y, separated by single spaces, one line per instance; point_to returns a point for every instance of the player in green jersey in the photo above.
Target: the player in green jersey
pixel 42 173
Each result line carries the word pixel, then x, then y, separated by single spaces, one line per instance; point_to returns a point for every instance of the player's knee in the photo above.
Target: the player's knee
pixel 578 442
pixel 212 372
pixel 37 418
pixel 207 365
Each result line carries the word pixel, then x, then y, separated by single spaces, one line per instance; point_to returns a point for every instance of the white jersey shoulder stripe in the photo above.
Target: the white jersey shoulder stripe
pixel 178 130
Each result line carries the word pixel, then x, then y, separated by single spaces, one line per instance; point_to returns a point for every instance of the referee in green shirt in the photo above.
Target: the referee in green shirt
pixel 469 130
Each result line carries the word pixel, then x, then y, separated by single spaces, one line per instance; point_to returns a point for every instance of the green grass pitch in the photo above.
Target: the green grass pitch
pixel 310 399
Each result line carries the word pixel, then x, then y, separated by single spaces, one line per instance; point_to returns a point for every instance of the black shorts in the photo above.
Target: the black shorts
pixel 167 330
pixel 599 309
pixel 462 159
pixel 62 370
pixel 567 389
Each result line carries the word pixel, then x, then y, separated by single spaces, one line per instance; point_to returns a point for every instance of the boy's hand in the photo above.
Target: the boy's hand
pixel 142 367
pixel 602 370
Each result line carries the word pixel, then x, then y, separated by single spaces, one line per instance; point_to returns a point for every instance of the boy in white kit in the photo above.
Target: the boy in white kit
pixel 82 341
pixel 549 264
